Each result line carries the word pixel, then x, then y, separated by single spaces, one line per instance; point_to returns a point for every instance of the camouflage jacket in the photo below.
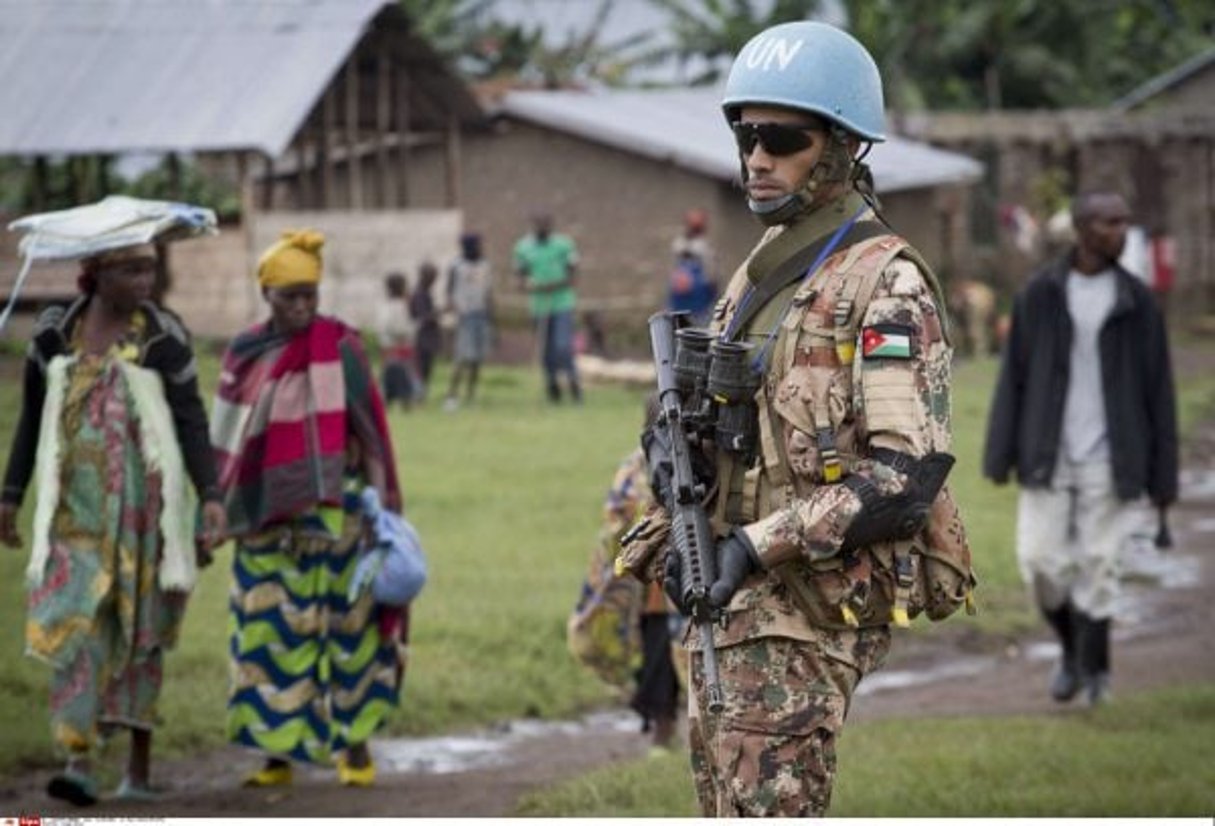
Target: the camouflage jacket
pixel 870 371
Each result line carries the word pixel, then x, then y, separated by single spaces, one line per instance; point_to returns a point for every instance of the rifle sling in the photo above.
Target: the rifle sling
pixel 794 268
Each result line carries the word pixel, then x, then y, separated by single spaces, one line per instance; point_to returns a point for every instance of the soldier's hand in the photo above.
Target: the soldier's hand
pixel 736 560
pixel 8 525
pixel 672 581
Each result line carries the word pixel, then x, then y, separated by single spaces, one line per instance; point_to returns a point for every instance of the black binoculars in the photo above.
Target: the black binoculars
pixel 717 384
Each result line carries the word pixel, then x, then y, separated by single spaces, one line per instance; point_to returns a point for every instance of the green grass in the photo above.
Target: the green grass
pixel 1150 755
pixel 506 496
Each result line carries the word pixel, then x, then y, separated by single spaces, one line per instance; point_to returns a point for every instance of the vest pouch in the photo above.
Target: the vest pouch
pixel 946 580
pixel 835 596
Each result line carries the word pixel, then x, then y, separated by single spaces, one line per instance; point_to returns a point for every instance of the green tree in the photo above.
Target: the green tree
pixel 1025 53
pixel 715 30
pixel 484 47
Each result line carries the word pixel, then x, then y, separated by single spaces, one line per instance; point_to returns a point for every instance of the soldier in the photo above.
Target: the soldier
pixel 820 518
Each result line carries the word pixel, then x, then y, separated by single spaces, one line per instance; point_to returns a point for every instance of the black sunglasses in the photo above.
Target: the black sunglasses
pixel 776 138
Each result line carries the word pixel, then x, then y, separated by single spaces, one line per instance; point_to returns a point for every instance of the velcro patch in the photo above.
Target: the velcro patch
pixel 887 341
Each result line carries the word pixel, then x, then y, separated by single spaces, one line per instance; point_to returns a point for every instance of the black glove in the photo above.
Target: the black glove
pixel 736 560
pixel 902 515
pixel 672 581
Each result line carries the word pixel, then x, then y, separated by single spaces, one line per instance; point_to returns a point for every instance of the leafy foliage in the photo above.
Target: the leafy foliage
pixel 1025 53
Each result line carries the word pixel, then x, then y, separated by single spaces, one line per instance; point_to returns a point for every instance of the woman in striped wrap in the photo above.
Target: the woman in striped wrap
pixel 299 428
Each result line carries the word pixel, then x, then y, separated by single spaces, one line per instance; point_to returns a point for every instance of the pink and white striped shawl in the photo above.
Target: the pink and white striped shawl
pixel 289 412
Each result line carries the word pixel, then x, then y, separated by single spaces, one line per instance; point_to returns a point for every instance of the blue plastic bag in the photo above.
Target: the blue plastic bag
pixel 393 566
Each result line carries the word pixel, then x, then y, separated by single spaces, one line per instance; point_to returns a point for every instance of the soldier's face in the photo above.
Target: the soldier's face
pixel 772 176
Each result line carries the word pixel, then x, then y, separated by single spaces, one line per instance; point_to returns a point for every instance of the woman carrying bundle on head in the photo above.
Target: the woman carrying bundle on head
pixel 112 421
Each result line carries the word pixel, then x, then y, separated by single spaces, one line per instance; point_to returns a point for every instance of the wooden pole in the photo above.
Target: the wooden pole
pixel 453 162
pixel 386 185
pixel 267 182
pixel 354 164
pixel 403 128
pixel 328 117
pixel 303 171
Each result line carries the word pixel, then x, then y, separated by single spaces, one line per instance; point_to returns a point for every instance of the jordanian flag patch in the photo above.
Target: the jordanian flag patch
pixel 886 341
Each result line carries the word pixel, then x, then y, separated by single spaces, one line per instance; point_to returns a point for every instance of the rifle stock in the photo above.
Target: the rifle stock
pixel 691 534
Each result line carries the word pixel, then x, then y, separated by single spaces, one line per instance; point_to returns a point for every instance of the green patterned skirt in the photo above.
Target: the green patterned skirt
pixel 311 673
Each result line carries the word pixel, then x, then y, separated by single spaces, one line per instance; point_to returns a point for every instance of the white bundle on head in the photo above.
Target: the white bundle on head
pixel 114 222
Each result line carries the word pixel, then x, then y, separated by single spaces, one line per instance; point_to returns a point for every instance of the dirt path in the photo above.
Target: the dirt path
pixel 1162 638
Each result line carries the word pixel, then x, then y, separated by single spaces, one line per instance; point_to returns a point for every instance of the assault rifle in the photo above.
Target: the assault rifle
pixel 691 536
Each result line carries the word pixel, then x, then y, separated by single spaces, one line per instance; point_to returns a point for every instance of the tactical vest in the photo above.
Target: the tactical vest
pixel 811 434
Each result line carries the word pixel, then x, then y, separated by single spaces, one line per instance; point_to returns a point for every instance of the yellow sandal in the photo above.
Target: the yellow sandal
pixel 348 775
pixel 279 774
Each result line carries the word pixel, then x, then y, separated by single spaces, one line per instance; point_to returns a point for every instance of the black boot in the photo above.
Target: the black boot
pixel 1093 656
pixel 1065 681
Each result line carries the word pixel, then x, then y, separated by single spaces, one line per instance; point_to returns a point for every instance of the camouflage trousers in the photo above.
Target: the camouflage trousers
pixel 771 751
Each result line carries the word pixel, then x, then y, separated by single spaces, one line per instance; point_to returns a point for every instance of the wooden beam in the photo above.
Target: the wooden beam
pixel 402 127
pixel 354 166
pixel 325 159
pixel 453 162
pixel 386 183
pixel 303 170
pixel 267 182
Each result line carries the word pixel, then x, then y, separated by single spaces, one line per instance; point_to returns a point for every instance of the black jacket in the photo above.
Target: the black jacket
pixel 166 349
pixel 1026 420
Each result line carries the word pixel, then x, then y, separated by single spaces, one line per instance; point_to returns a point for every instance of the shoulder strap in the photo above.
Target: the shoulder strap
pixel 795 267
pixel 853 302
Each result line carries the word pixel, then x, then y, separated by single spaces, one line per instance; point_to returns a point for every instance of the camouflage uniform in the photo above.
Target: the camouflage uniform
pixel 797 637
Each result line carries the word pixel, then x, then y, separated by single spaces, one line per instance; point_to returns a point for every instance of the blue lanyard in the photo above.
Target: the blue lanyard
pixel 757 364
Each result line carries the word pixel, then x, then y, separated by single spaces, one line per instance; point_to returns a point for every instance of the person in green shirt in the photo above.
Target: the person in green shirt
pixel 548 262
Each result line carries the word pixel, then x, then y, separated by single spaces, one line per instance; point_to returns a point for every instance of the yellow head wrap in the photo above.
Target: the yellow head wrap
pixel 293 259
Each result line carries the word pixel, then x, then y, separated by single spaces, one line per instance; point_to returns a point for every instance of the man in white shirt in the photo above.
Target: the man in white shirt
pixel 1084 411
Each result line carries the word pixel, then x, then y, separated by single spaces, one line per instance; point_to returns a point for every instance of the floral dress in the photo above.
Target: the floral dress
pixel 99 617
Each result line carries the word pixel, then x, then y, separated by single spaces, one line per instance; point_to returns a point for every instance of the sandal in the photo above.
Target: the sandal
pixel 75 787
pixel 361 776
pixel 277 774
pixel 129 791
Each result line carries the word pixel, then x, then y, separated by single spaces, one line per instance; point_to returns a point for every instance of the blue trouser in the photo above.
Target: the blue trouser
pixel 556 334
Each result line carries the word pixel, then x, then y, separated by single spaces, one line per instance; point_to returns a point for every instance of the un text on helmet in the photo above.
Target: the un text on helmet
pixel 765 50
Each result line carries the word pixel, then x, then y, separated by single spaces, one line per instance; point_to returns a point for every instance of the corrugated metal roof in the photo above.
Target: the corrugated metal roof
pixel 108 76
pixel 1163 82
pixel 686 128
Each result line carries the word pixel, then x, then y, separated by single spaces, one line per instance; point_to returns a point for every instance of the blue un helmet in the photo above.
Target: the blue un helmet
pixel 819 69
pixel 813 67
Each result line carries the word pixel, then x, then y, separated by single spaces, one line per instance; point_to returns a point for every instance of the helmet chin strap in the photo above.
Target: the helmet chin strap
pixel 834 166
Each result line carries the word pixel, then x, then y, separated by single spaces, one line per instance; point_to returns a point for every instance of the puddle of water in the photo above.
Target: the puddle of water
pixel 487 749
pixel 1197 484
pixel 893 680
pixel 1203 525
pixel 1170 570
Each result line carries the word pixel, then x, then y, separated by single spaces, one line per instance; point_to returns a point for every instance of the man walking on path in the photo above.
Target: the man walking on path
pixel 548 262
pixel 1084 411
